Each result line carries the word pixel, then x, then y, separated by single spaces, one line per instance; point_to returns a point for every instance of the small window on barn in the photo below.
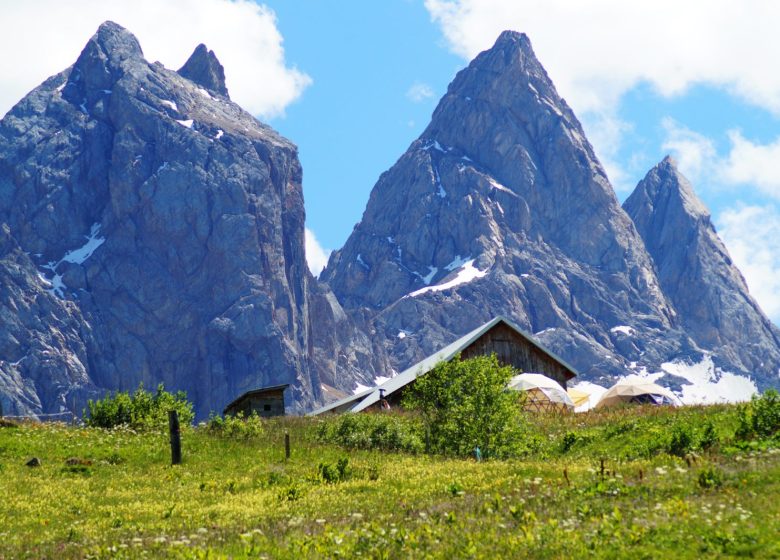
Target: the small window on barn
pixel 266 407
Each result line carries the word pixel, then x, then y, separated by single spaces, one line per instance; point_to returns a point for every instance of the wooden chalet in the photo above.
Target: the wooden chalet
pixel 266 402
pixel 512 346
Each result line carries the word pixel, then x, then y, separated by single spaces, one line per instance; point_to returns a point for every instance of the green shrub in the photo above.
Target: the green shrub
pixel 766 413
pixel 710 477
pixel 681 442
pixel 331 474
pixel 385 431
pixel 760 417
pixel 236 427
pixel 709 437
pixel 141 410
pixel 568 441
pixel 466 404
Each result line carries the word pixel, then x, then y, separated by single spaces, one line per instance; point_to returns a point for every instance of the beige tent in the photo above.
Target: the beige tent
pixel 579 398
pixel 638 391
pixel 592 394
pixel 542 394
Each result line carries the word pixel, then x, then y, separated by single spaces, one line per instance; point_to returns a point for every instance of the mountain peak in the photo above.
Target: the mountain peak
pixel 115 40
pixel 102 62
pixel 510 37
pixel 203 68
pixel 696 271
pixel 666 184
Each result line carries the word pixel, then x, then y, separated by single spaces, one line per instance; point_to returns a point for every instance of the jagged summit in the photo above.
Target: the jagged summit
pixel 161 224
pixel 501 207
pixel 101 63
pixel 203 68
pixel 662 184
pixel 697 273
pixel 116 40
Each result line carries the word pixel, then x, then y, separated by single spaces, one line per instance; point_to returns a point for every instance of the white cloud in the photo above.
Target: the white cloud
pixel 419 92
pixel 43 37
pixel 694 152
pixel 597 50
pixel 752 235
pixel 605 131
pixel 754 164
pixel 316 256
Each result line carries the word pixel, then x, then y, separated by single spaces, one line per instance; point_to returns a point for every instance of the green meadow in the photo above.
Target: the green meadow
pixel 642 482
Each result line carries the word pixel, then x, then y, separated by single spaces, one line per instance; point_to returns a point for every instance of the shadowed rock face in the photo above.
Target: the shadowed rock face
pixel 155 229
pixel 501 207
pixel 204 69
pixel 697 274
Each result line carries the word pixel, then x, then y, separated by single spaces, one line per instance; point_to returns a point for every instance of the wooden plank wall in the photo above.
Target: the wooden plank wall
pixel 514 350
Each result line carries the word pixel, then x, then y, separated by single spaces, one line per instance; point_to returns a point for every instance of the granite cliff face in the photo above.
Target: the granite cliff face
pixel 697 274
pixel 501 207
pixel 154 233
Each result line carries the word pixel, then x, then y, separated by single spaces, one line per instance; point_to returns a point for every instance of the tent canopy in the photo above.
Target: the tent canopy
pixel 542 393
pixel 578 397
pixel 637 390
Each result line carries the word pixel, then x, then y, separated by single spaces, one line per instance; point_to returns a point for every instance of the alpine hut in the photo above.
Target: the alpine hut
pixel 512 346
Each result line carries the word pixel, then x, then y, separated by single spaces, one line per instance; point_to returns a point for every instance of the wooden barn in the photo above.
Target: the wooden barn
pixel 266 402
pixel 512 346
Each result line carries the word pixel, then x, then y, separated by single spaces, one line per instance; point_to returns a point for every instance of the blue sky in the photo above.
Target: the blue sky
pixel 356 119
pixel 353 83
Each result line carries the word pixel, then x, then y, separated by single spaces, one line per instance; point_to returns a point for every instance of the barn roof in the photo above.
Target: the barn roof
pixel 254 392
pixel 369 397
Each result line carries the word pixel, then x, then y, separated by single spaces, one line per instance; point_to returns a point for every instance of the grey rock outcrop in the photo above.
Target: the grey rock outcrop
pixel 503 186
pixel 698 275
pixel 166 224
pixel 204 69
pixel 501 207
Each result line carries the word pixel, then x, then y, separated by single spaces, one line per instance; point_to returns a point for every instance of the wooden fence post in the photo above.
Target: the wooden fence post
pixel 173 428
pixel 286 445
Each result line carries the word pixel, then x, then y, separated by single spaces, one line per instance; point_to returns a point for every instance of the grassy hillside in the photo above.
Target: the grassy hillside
pixel 118 496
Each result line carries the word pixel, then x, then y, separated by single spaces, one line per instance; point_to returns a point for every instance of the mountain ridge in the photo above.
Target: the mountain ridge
pixel 541 226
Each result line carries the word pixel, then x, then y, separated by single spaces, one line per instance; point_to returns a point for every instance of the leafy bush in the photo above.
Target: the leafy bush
pixel 766 413
pixel 567 441
pixel 385 431
pixel 331 474
pixel 681 442
pixel 236 427
pixel 466 404
pixel 141 410
pixel 709 437
pixel 710 477
pixel 760 417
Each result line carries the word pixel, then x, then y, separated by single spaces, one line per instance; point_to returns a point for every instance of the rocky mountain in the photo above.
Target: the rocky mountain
pixel 697 274
pixel 153 232
pixel 501 207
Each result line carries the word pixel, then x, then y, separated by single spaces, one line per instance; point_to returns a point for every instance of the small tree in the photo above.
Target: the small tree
pixel 141 410
pixel 466 404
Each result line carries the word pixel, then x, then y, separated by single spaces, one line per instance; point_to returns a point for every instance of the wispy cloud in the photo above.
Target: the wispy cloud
pixel 242 33
pixel 669 44
pixel 316 256
pixel 754 164
pixel 694 152
pixel 752 234
pixel 419 92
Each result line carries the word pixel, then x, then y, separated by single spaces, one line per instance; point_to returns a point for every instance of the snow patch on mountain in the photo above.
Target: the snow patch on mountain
pixel 708 383
pixel 467 273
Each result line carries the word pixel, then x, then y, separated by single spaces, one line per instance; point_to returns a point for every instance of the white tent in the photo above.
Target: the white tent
pixel 542 393
pixel 637 390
